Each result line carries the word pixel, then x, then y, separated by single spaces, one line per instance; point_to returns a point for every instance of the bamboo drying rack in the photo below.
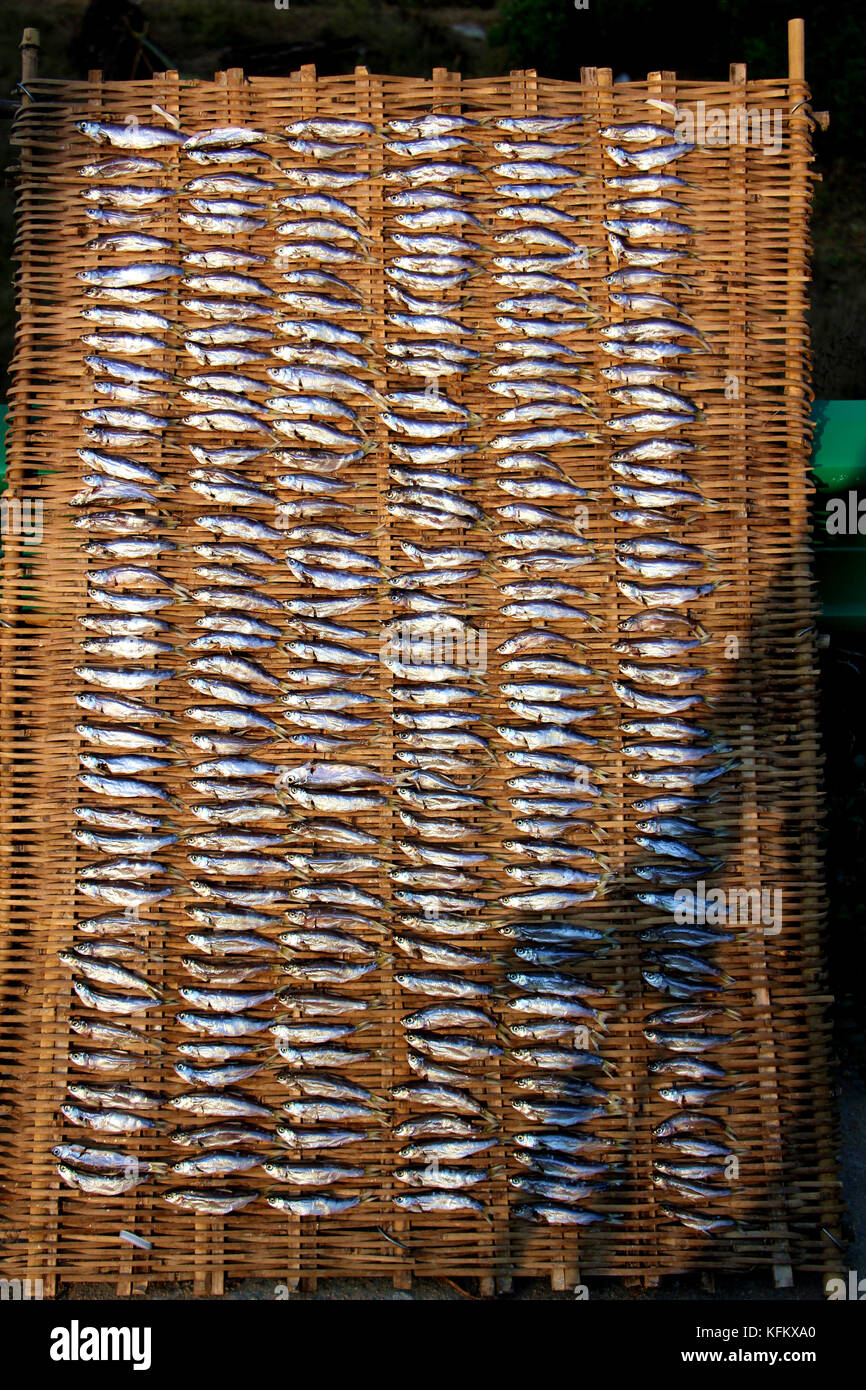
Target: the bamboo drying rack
pixel 749 299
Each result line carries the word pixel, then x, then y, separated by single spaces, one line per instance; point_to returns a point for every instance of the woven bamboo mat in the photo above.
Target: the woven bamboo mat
pixel 746 293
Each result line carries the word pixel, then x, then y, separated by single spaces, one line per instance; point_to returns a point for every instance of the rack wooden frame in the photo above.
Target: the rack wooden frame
pixel 751 207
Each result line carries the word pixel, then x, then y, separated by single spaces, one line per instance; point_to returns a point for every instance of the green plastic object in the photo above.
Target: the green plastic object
pixel 839 453
pixel 839 470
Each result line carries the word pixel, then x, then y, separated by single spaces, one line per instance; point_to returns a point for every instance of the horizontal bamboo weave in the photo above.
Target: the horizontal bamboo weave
pixel 747 296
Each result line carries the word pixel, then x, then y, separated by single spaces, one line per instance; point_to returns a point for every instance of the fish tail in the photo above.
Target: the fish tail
pixel 606 878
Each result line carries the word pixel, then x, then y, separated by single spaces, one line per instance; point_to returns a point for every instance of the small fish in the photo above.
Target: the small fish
pixel 557 1213
pixel 230 1134
pixel 221 1104
pixel 688 1122
pixel 213 1201
pixel 136 273
pixel 697 1221
pixel 216 1163
pixel 436 1126
pixel 224 137
pixel 319 1137
pixel 686 1042
pixel 437 1200
pixel 447 1178
pixel 110 1121
pixel 647 159
pixel 321 1110
pixel 100 1184
pixel 132 136
pixel 562 1115
pixel 452 1047
pixel 330 127
pixel 318 1204
pixel 105 1160
pixel 311 1174
pixel 692 1191
pixel 125 167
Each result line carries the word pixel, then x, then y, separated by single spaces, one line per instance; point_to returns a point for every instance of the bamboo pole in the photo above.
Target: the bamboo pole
pixel 29 46
pixel 796 50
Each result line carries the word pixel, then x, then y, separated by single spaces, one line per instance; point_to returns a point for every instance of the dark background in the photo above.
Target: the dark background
pixel 634 37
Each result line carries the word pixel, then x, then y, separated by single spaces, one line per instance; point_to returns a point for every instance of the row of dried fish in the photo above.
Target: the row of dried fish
pixel 128 752
pixel 554 1009
pixel 662 576
pixel 433 652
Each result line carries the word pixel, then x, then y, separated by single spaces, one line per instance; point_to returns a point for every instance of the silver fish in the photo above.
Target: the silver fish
pixel 131 136
pixel 109 1120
